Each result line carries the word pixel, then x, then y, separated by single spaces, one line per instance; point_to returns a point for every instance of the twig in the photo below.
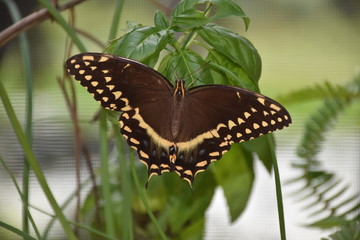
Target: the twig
pixel 30 21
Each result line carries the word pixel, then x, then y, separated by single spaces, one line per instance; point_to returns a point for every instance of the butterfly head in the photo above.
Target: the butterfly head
pixel 179 90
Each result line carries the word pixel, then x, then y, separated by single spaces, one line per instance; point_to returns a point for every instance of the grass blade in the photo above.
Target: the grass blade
pixel 34 164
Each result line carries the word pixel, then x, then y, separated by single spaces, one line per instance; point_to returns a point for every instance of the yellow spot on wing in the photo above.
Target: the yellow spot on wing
pixel 126 108
pixel 100 91
pixel 93 67
pixel 105 71
pixel 231 124
pixel 81 72
pixel 246 114
pixel 117 94
pixel 110 87
pixel 103 59
pixel 220 126
pixel 248 131
pixel 214 154
pixel 88 77
pixel 256 126
pixel 126 128
pixel 73 61
pixel 143 154
pixel 154 166
pixel 88 57
pixel 240 120
pixel 133 140
pixel 188 172
pixel 94 83
pixel 261 100
pixel 273 106
pixel 215 133
pixel 163 165
pixel 108 79
pixel 125 100
pixel 199 171
pixel 201 164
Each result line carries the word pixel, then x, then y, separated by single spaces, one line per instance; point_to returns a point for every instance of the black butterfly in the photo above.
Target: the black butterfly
pixel 173 128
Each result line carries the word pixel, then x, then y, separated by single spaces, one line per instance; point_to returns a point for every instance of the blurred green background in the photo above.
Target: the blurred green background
pixel 301 42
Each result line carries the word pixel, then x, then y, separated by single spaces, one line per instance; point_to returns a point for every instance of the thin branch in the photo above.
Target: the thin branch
pixel 30 21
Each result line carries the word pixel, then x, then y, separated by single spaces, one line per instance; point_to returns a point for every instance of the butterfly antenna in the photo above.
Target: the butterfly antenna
pixel 198 77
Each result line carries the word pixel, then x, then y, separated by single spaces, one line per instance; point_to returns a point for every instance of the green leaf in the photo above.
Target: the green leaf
pixel 194 231
pixel 187 207
pixel 187 16
pixel 225 71
pixel 349 231
pixel 235 174
pixel 161 20
pixel 329 222
pixel 142 44
pixel 261 147
pixel 186 65
pixel 236 48
pixel 227 8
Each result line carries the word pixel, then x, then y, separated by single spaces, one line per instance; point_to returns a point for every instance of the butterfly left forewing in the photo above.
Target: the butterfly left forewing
pixel 117 83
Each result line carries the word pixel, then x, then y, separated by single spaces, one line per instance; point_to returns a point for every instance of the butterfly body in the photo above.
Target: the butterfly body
pixel 173 128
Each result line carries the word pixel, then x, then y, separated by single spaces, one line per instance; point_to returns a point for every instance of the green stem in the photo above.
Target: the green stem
pixel 58 17
pixel 127 218
pixel 16 231
pixel 105 178
pixel 278 188
pixel 34 164
pixel 22 196
pixel 144 200
pixel 25 51
pixel 115 21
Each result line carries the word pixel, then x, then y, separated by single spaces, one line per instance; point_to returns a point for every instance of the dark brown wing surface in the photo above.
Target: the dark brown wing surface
pixel 142 94
pixel 216 116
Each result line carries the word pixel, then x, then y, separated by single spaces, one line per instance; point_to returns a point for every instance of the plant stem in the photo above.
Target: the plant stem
pixel 278 188
pixel 144 200
pixel 105 178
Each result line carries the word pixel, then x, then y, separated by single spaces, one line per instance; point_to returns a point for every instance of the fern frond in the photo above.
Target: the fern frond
pixel 325 188
pixel 346 232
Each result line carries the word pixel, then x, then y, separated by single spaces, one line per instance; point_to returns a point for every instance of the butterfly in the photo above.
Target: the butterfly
pixel 173 128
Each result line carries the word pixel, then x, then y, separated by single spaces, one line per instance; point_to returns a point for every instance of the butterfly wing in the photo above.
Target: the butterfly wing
pixel 118 83
pixel 141 93
pixel 216 116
